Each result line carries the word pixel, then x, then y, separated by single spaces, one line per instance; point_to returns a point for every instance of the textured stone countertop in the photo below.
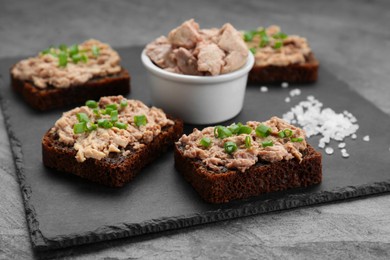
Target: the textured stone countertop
pixel 350 37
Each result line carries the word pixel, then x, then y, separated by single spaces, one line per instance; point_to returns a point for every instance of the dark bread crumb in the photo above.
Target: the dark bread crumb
pixel 51 97
pixel 294 73
pixel 115 170
pixel 263 177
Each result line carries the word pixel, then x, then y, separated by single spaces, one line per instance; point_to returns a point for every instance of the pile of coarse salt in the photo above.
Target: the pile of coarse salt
pixel 316 120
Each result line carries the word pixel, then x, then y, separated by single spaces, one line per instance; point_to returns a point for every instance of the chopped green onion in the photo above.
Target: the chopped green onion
pixel 267 143
pixel 278 45
pixel 91 104
pixel 281 134
pixel 264 38
pixel 230 147
pixel 253 50
pixel 248 35
pixel 280 35
pixel 120 125
pixel 205 142
pixel 104 123
pixel 140 120
pixel 62 59
pixel 92 127
pixel 79 128
pixel 84 58
pixel 76 58
pixel 108 111
pixel 244 130
pixel 82 117
pixel 263 130
pixel 124 103
pixel 296 139
pixel 248 142
pixel 63 47
pixel 46 51
pixel 234 128
pixel 114 115
pixel 96 112
pixel 112 106
pixel 222 132
pixel 73 50
pixel 288 132
pixel 95 50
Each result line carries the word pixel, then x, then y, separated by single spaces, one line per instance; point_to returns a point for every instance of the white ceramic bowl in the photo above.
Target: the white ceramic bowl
pixel 198 99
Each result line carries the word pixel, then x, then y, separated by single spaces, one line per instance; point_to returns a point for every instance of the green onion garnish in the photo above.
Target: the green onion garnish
pixel 296 139
pixel 95 50
pixel 288 132
pixel 278 45
pixel 234 128
pixel 244 130
pixel 124 103
pixel 82 117
pixel 63 47
pixel 140 120
pixel 264 38
pixel 253 50
pixel 112 106
pixel 114 115
pixel 84 58
pixel 222 132
pixel 62 59
pixel 104 123
pixel 79 128
pixel 230 147
pixel 248 35
pixel 46 51
pixel 73 50
pixel 76 58
pixel 92 127
pixel 108 111
pixel 96 112
pixel 263 130
pixel 280 35
pixel 267 143
pixel 91 104
pixel 205 142
pixel 248 142
pixel 281 134
pixel 120 125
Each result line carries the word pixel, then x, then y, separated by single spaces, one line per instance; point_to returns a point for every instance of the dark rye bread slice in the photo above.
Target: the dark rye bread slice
pixel 294 73
pixel 263 177
pixel 51 97
pixel 115 170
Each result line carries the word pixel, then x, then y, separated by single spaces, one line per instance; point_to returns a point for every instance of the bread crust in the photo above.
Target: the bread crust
pixel 294 73
pixel 263 177
pixel 52 98
pixel 115 170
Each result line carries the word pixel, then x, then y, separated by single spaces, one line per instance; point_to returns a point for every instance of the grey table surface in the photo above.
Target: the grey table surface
pixel 352 38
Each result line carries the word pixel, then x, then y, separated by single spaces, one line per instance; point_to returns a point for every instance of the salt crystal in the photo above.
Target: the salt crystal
pixel 342 145
pixel 366 138
pixel 316 120
pixel 343 150
pixel 264 89
pixel 329 150
pixel 354 136
pixel 295 92
pixel 345 155
pixel 287 100
pixel 284 85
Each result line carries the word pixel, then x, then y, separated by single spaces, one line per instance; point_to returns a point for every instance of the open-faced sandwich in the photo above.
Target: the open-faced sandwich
pixel 241 161
pixel 280 57
pixel 109 141
pixel 61 76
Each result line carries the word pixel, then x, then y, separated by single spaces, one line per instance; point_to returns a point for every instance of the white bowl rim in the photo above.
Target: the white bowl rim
pixel 197 79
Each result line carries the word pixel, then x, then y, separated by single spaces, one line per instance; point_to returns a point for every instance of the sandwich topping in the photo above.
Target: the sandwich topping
pixel 109 126
pixel 240 146
pixel 271 46
pixel 194 51
pixel 65 66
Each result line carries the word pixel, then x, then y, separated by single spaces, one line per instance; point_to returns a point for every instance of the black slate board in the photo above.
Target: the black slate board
pixel 65 211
